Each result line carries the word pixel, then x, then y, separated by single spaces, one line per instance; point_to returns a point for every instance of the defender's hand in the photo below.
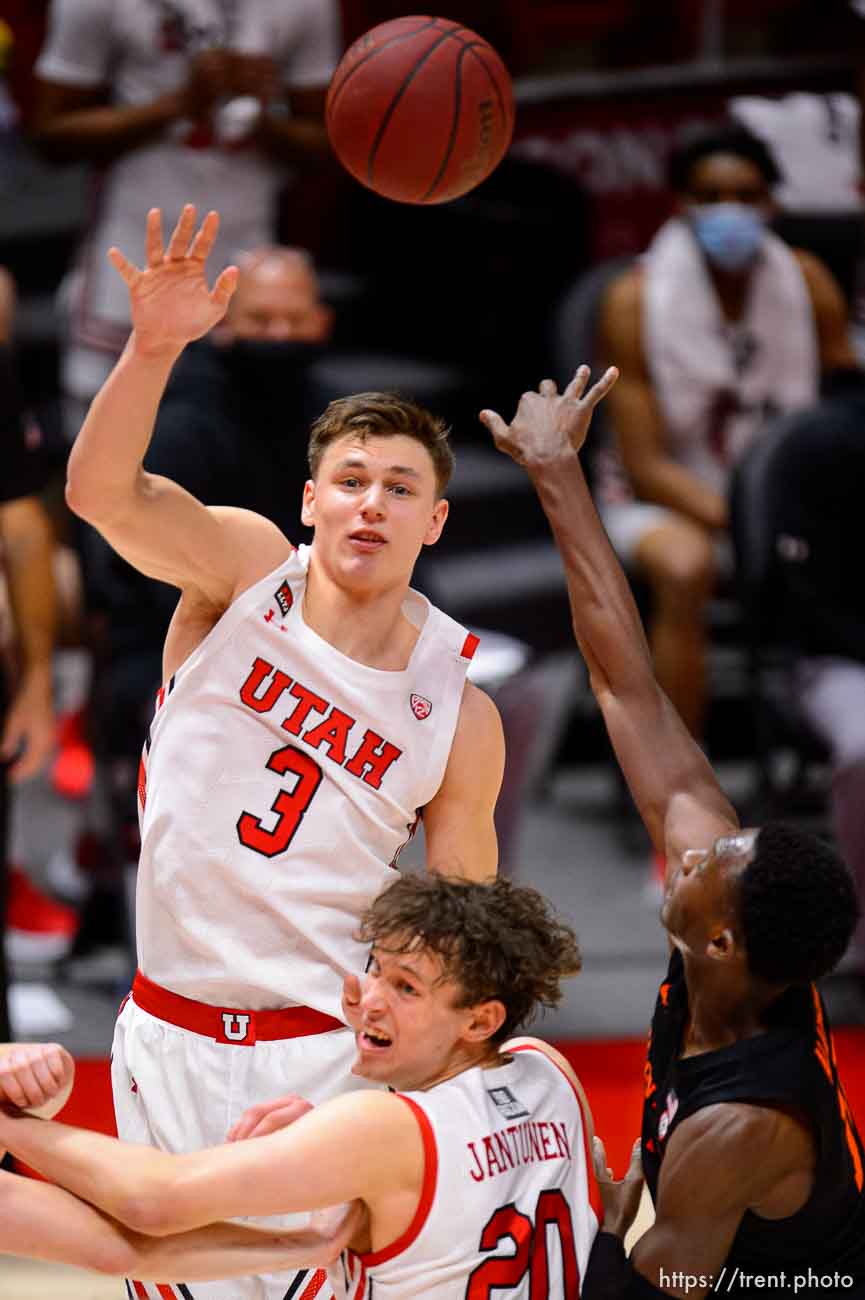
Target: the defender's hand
pixel 547 425
pixel 620 1198
pixel 170 302
pixel 269 1117
pixel 33 1074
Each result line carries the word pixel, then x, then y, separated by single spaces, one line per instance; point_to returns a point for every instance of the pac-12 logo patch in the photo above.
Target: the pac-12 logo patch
pixel 284 598
pixel 420 706
pixel 510 1106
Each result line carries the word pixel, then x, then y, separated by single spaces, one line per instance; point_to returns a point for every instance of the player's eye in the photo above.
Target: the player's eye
pixel 400 490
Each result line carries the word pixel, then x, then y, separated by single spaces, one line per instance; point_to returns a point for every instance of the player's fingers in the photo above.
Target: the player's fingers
pixel 48 1057
pixel 122 264
pixel 17 1082
pixel 635 1166
pixel 599 390
pixel 272 1123
pixel 178 245
pixel 494 423
pixel 204 240
pixel 153 247
pixel 247 1122
pixel 11 1091
pixel 599 1161
pixel 577 386
pixel 239 1131
pixel 279 1117
pixel 351 990
pixel 225 286
pixel 548 388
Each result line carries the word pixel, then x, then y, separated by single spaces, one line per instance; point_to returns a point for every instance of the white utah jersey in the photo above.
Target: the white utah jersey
pixel 504 1213
pixel 279 781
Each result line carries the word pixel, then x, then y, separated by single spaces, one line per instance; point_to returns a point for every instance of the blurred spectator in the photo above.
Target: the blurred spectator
pixel 719 328
pixel 26 706
pixel 232 429
pixel 818 475
pixel 178 101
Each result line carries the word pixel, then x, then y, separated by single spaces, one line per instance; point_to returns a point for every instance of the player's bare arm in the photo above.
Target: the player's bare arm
pixel 721 1162
pixel 458 822
pixel 674 787
pixel 299 1168
pixel 637 417
pixel 48 1223
pixel 151 521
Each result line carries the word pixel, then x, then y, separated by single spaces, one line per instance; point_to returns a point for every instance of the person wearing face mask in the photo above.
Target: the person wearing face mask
pixel 716 330
pixel 232 430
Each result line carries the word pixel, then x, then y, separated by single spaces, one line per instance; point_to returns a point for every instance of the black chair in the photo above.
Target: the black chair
pixel 779 728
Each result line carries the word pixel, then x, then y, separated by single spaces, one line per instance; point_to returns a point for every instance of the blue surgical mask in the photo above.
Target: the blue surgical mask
pixel 730 234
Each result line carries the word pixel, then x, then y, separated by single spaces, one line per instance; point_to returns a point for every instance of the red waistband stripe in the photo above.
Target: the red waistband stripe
pixel 229 1025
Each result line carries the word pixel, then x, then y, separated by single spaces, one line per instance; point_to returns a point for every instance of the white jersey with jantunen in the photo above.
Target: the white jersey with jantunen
pixel 504 1213
pixel 280 780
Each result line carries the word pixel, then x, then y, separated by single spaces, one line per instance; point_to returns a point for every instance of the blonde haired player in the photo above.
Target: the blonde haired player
pixel 474 1174
pixel 312 706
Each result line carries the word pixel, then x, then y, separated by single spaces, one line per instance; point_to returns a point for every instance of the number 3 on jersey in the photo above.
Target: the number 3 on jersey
pixel 531 1251
pixel 289 805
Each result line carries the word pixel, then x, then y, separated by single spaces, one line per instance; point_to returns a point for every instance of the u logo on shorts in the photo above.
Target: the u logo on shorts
pixel 235 1026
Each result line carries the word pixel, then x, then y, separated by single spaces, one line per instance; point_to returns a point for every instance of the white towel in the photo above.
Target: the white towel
pixel 717 383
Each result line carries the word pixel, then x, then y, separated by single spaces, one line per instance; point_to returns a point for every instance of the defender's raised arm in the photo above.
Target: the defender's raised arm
pixel 672 783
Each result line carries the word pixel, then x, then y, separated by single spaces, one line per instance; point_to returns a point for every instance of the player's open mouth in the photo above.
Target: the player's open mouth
pixel 367 541
pixel 374 1040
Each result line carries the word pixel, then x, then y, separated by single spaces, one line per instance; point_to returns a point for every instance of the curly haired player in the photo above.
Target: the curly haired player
pixel 473 1174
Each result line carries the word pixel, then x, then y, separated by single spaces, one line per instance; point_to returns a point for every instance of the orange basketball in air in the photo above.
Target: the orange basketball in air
pixel 420 109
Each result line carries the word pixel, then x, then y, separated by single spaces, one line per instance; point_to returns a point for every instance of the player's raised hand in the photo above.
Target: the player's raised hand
pixel 170 302
pixel 269 1117
pixel 548 424
pixel 620 1197
pixel 32 1075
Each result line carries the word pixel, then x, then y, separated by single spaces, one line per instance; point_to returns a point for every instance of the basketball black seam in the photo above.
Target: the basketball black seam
pixel 458 97
pixel 403 36
pixel 495 84
pixel 391 109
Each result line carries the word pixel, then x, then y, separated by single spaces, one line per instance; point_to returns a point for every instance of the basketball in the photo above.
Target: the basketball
pixel 420 109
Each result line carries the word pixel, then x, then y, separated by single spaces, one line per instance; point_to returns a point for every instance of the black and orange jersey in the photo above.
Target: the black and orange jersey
pixel 791 1065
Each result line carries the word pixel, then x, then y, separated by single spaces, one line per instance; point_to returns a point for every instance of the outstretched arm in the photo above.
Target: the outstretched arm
pixel 674 787
pixel 43 1222
pixel 299 1168
pixel 151 521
